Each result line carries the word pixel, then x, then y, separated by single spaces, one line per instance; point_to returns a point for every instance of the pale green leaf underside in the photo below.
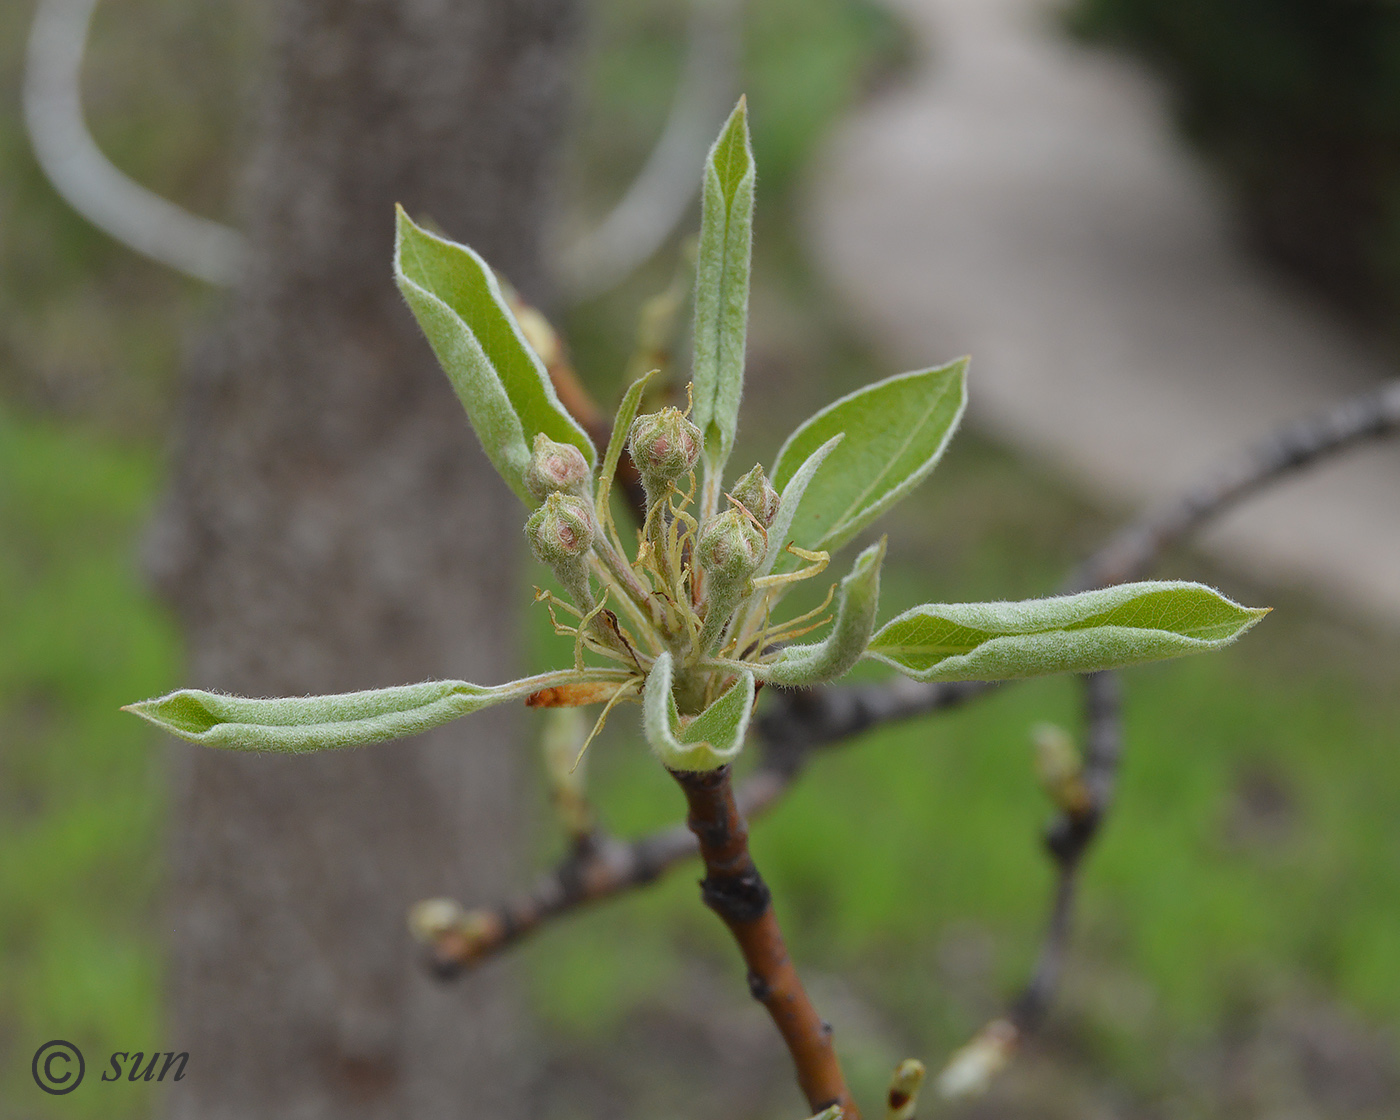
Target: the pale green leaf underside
pixel 711 739
pixel 896 431
pixel 722 288
pixel 857 600
pixel 499 379
pixel 1105 629
pixel 299 724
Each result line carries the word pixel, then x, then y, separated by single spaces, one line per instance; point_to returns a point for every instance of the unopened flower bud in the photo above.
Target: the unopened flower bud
pixel 665 446
pixel 730 550
pixel 731 547
pixel 433 918
pixel 903 1097
pixel 1060 769
pixel 970 1071
pixel 561 530
pixel 556 467
pixel 756 494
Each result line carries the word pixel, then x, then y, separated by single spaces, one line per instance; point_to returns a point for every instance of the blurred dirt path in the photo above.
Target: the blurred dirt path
pixel 1025 200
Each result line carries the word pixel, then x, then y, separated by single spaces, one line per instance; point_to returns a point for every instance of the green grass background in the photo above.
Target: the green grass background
pixel 1252 859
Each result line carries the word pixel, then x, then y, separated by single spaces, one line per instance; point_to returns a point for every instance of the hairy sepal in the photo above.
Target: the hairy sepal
pixel 897 430
pixel 497 376
pixel 857 600
pixel 301 724
pixel 722 288
pixel 1106 629
pixel 712 739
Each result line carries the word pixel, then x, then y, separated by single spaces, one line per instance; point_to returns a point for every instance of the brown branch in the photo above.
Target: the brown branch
pixel 600 866
pixel 735 891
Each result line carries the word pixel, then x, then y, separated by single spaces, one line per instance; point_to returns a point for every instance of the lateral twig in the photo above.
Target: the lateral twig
pixel 1132 551
pixel 1069 837
pixel 601 866
pixel 1130 554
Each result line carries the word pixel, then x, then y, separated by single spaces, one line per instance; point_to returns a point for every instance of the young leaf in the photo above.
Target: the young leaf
pixel 896 431
pixel 708 741
pixel 299 724
pixel 790 500
pixel 856 603
pixel 1105 629
pixel 722 288
pixel 499 379
pixel 622 424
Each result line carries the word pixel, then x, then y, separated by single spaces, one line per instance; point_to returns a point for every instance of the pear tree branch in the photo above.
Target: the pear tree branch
pixel 801 721
pixel 736 892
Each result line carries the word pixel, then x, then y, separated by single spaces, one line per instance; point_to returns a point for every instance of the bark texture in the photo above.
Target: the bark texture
pixel 334 526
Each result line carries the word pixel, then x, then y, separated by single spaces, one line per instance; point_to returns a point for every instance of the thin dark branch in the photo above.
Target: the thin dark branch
pixel 1068 839
pixel 803 719
pixel 1132 551
pixel 1130 554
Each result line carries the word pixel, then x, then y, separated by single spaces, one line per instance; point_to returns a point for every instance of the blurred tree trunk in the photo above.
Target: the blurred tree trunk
pixel 334 526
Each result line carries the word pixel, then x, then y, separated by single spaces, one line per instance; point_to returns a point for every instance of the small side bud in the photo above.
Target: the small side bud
pixel 903 1096
pixel 756 494
pixel 731 547
pixel 455 938
pixel 1060 769
pixel 970 1071
pixel 434 918
pixel 665 446
pixel 556 467
pixel 561 530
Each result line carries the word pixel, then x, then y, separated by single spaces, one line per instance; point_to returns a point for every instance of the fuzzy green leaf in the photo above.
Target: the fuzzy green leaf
pixel 722 288
pixel 896 431
pixel 1104 629
pixel 857 599
pixel 498 378
pixel 299 724
pixel 708 741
